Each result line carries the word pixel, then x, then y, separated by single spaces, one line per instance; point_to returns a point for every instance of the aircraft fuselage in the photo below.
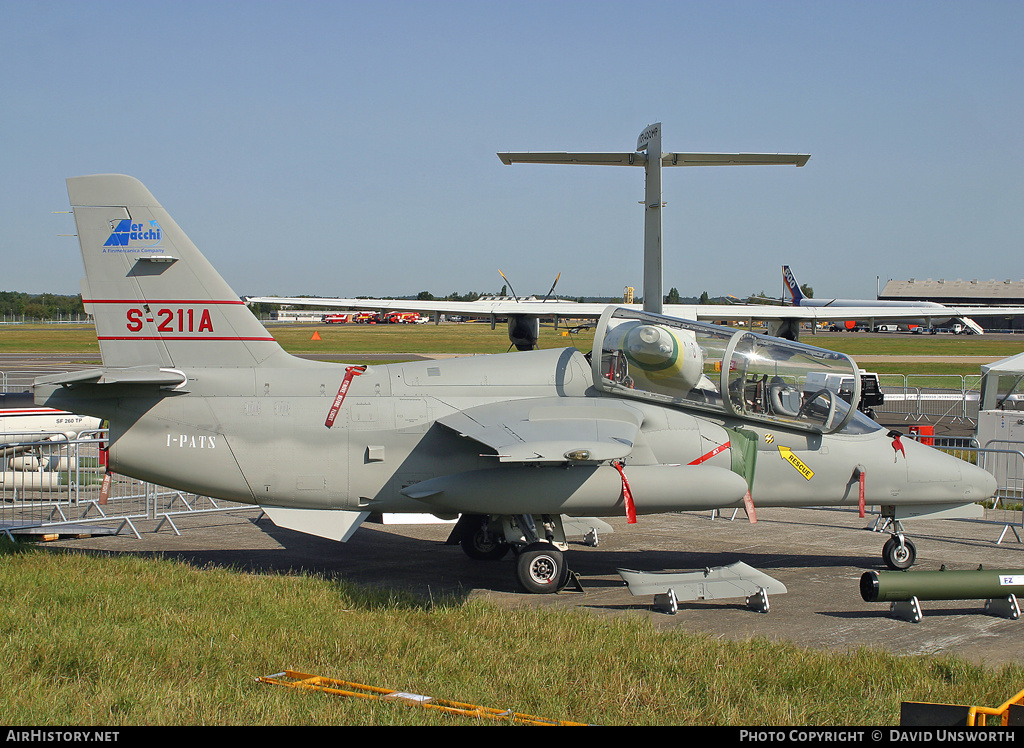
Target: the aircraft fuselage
pixel 259 436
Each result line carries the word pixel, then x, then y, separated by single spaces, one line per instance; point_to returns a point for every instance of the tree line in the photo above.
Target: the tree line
pixel 18 305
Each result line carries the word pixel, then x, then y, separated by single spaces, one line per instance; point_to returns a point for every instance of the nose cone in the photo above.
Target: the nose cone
pixel 946 478
pixel 981 482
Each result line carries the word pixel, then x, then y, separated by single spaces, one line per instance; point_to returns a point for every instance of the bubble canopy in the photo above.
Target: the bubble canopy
pixel 720 369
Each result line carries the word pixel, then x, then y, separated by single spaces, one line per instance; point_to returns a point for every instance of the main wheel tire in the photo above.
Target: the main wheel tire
pixel 541 568
pixel 899 556
pixel 481 545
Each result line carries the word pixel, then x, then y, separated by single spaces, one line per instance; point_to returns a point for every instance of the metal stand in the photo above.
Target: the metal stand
pixel 1005 607
pixel 759 601
pixel 908 610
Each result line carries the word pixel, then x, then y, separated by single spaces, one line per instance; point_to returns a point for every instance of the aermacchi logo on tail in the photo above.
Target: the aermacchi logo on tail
pixel 127 236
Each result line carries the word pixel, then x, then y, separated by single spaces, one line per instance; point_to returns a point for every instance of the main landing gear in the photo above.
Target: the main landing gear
pixel 541 568
pixel 538 544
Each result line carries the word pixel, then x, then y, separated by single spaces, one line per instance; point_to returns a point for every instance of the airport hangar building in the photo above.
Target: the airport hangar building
pixel 964 292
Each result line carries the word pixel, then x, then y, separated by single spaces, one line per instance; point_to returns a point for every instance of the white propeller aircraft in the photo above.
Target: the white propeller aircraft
pixel 22 420
pixel 783 321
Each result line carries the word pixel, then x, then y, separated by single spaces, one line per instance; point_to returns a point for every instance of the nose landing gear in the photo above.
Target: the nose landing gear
pixel 899 552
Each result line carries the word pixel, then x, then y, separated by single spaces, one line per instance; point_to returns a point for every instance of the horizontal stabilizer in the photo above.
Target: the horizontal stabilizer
pixel 134 375
pixel 667 159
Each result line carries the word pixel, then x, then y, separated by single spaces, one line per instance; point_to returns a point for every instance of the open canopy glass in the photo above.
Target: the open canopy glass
pixel 733 372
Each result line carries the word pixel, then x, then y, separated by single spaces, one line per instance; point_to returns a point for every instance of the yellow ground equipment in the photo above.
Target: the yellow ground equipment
pixel 293 679
pixel 1010 714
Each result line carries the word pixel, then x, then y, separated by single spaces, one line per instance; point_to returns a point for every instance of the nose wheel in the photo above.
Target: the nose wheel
pixel 899 552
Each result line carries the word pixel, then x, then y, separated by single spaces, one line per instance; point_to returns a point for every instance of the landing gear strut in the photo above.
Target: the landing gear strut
pixel 899 551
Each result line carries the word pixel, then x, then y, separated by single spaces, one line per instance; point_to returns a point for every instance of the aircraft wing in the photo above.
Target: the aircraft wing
pixel 667 159
pixel 482 308
pixel 546 429
pixel 957 310
pixel 722 582
pixel 877 312
pixel 698 312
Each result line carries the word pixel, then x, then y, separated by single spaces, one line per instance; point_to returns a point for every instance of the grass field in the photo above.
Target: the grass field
pixel 478 338
pixel 297 338
pixel 894 344
pixel 74 339
pixel 447 338
pixel 120 640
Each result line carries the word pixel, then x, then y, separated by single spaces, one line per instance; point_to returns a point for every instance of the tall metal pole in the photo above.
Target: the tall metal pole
pixel 652 161
pixel 650 141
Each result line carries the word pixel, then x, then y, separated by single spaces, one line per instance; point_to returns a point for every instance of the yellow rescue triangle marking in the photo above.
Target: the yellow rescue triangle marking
pixel 294 679
pixel 787 454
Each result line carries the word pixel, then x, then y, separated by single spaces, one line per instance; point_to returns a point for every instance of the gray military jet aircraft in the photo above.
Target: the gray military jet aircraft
pixel 663 414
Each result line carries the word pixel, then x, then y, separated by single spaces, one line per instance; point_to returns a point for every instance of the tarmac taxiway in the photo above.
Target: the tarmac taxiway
pixel 818 554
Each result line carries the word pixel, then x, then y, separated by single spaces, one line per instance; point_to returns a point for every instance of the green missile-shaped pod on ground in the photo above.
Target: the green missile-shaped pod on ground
pixel 979 584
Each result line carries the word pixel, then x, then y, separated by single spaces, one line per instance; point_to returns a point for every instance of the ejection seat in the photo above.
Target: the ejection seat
pixel 785 398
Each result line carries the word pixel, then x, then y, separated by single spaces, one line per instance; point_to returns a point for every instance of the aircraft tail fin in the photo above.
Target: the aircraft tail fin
pixel 155 298
pixel 789 280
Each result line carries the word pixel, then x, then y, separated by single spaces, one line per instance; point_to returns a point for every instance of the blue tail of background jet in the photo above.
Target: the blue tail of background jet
pixel 789 280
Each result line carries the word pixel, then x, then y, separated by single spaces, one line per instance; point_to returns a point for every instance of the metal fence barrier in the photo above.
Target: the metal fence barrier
pixel 906 396
pixel 1005 461
pixel 49 484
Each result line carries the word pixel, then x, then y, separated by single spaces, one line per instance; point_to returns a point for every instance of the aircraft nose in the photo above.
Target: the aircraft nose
pixel 947 476
pixel 984 482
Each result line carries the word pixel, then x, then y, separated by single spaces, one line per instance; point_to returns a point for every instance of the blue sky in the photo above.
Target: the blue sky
pixel 339 148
